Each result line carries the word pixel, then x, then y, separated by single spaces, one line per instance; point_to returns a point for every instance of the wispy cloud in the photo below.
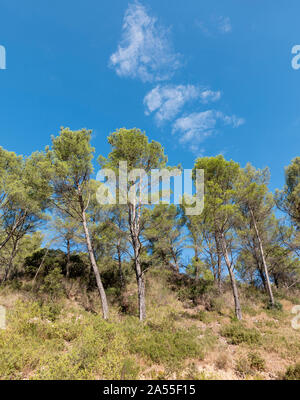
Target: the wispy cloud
pixel 194 128
pixel 216 25
pixel 145 51
pixel 167 101
pixel 224 24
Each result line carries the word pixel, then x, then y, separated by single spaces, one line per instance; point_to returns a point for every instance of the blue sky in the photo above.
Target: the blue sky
pixel 201 77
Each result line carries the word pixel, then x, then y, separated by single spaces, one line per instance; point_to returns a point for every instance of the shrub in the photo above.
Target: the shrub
pixel 292 373
pixel 164 344
pixel 214 304
pixel 130 369
pixel 16 284
pixel 222 361
pixel 53 284
pixel 242 366
pixel 201 315
pixel 276 306
pixel 256 361
pixel 236 333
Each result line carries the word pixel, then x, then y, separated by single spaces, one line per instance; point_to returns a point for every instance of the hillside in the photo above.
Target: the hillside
pixel 189 333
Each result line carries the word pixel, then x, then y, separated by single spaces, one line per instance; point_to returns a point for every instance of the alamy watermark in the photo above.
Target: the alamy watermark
pixel 296 58
pixel 2 57
pixel 155 187
pixel 2 317
pixel 296 320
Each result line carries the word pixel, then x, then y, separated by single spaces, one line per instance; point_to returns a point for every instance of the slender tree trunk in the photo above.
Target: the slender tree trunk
pixel 41 264
pixel 238 311
pixel 20 220
pixel 268 283
pixel 121 275
pixel 68 259
pixel 259 267
pixel 134 232
pixel 197 266
pixel 175 260
pixel 141 288
pixel 262 277
pixel 10 263
pixel 276 281
pixel 219 260
pixel 93 262
pixel 213 266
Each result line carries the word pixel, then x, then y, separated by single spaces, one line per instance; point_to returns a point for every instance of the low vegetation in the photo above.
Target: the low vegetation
pixel 58 337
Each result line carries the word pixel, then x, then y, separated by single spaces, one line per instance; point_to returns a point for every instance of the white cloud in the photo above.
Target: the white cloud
pixel 215 25
pixel 231 120
pixel 144 51
pixel 167 101
pixel 209 95
pixel 196 127
pixel 224 25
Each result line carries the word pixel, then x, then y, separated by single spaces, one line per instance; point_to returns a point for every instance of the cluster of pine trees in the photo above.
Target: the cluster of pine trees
pixel 50 196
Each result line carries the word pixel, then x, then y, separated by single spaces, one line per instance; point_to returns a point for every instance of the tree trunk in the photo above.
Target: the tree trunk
pixel 41 264
pixel 197 265
pixel 175 260
pixel 269 288
pixel 141 289
pixel 259 268
pixel 93 262
pixel 10 263
pixel 134 232
pixel 68 260
pixel 275 276
pixel 20 220
pixel 219 263
pixel 121 275
pixel 238 311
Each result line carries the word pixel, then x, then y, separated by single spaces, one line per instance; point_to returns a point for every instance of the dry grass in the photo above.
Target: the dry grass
pixel 217 357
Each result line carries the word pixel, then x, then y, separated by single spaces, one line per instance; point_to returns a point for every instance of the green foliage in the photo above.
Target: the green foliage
pixel 55 258
pixel 242 366
pixel 256 361
pixel 288 199
pixel 165 344
pixel 215 304
pixel 247 366
pixel 276 306
pixel 130 370
pixel 43 341
pixel 16 284
pixel 163 232
pixel 292 373
pixel 49 258
pixel 133 146
pixel 53 284
pixel 237 333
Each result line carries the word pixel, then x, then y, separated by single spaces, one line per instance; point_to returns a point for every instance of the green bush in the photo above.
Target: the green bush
pixel 236 333
pixel 130 369
pixel 16 284
pixel 256 361
pixel 292 373
pixel 44 342
pixel 276 306
pixel 53 284
pixel 164 344
pixel 215 304
pixel 242 366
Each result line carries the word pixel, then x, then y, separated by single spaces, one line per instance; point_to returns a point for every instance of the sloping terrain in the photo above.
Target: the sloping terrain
pixel 183 338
